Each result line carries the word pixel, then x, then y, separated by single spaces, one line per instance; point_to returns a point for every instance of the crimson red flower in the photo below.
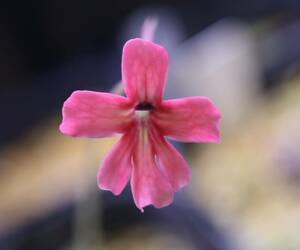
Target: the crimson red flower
pixel 143 155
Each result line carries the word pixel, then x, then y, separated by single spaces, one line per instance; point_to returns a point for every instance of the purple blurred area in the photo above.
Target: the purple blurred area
pixel 50 48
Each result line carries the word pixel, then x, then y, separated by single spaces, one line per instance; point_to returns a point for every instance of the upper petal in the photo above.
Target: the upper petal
pixel 115 171
pixel 144 70
pixel 95 114
pixel 192 119
pixel 148 184
pixel 171 163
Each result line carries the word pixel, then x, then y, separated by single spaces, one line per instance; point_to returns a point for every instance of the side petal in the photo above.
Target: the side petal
pixel 95 114
pixel 114 173
pixel 171 163
pixel 192 119
pixel 148 184
pixel 144 70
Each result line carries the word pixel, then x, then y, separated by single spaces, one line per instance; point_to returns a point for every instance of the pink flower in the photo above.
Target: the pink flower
pixel 154 167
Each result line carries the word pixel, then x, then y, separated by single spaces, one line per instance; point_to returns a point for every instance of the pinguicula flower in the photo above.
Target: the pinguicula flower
pixel 143 155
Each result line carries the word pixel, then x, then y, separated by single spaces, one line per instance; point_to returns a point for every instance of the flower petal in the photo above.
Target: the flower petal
pixel 171 163
pixel 148 184
pixel 114 173
pixel 95 114
pixel 144 70
pixel 192 119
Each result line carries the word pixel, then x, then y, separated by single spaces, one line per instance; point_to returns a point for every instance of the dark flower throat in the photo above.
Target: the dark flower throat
pixel 144 106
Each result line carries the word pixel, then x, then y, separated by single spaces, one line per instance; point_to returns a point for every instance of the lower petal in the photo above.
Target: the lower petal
pixel 171 163
pixel 148 184
pixel 114 173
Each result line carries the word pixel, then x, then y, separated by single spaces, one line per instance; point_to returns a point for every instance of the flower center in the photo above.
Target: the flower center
pixel 144 106
pixel 142 112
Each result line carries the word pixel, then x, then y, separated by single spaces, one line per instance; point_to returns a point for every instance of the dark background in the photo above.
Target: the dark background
pixel 50 48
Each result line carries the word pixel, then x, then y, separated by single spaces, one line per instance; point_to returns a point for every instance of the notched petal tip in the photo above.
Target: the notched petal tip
pixel 165 203
pixel 102 184
pixel 162 205
pixel 68 128
pixel 103 187
pixel 216 136
pixel 157 204
pixel 64 128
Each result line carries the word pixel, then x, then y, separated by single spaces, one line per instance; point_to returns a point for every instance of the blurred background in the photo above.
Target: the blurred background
pixel 245 192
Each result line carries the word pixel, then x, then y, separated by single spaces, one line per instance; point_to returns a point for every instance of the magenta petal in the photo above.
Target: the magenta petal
pixel 114 173
pixel 148 184
pixel 171 163
pixel 95 114
pixel 192 119
pixel 144 70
